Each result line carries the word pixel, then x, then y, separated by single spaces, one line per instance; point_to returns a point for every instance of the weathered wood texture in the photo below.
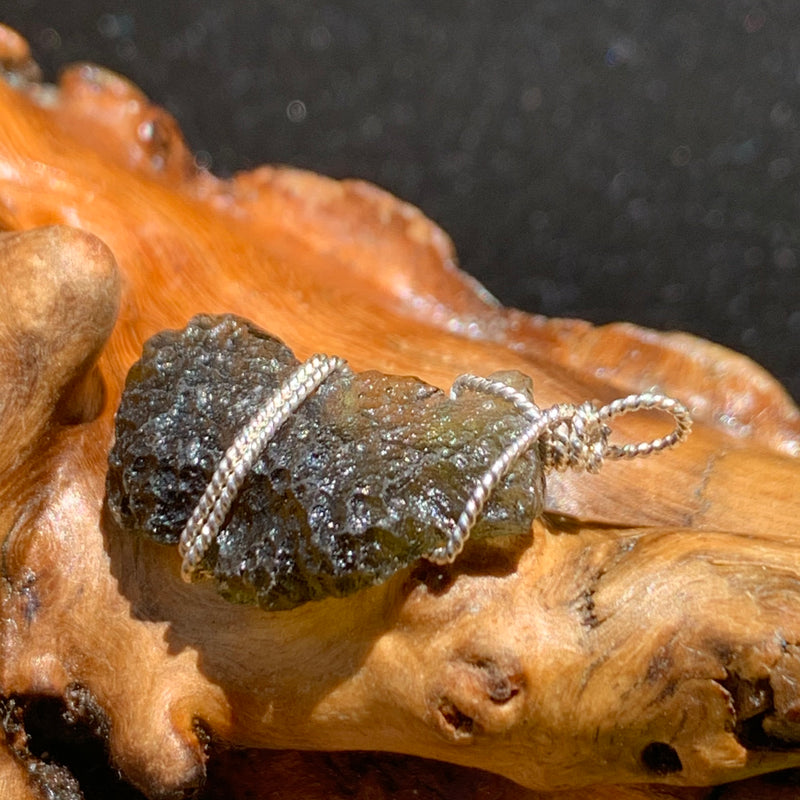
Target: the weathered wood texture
pixel 646 632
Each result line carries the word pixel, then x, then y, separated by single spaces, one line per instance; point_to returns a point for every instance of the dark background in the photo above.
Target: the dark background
pixel 606 160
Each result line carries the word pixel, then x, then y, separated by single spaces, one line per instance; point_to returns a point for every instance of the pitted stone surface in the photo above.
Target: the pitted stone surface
pixel 364 479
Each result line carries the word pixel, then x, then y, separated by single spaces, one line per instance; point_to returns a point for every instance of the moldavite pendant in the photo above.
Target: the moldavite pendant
pixel 287 483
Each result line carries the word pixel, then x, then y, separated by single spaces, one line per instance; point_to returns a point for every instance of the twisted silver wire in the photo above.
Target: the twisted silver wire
pixel 209 514
pixel 569 437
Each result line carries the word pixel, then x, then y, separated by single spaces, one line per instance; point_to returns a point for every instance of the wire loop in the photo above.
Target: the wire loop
pixel 569 437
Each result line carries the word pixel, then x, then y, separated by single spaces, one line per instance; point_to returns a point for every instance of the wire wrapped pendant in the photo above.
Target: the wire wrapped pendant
pixel 288 482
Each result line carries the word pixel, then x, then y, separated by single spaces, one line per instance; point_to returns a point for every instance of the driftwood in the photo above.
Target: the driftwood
pixel 645 633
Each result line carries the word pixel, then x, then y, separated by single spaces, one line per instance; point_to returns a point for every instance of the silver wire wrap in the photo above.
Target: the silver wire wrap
pixel 209 514
pixel 569 437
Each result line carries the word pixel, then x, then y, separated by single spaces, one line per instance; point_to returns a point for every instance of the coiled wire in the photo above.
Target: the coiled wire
pixel 206 520
pixel 568 436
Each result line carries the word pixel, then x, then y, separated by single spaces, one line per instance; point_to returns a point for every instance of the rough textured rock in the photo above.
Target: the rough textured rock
pixel 366 477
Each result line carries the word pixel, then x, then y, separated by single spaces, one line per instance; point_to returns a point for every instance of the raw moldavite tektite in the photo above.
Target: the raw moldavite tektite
pixel 365 478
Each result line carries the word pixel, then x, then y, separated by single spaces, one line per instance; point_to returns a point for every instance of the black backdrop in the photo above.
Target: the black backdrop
pixel 607 160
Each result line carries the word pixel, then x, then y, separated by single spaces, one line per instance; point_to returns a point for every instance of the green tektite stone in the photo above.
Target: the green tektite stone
pixel 365 478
